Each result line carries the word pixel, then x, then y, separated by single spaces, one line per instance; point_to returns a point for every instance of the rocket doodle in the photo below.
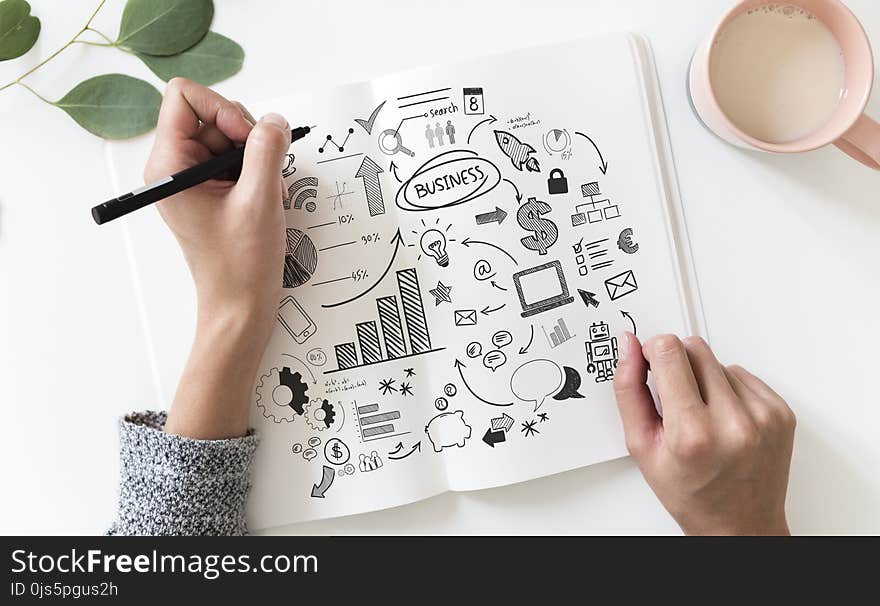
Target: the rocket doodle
pixel 518 152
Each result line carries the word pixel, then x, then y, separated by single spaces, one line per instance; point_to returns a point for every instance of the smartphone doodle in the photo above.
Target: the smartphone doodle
pixel 295 320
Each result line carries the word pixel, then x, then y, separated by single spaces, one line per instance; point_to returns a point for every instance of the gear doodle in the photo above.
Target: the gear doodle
pixel 320 414
pixel 281 395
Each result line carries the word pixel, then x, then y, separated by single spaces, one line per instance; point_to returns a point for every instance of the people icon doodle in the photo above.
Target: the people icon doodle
pixel 370 462
pixel 450 132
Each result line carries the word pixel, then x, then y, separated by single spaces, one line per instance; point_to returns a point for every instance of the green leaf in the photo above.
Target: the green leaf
pixel 164 27
pixel 113 106
pixel 19 29
pixel 213 59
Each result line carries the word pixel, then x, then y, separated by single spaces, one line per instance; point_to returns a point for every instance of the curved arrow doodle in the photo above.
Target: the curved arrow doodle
pixel 487 310
pixel 303 364
pixel 318 490
pixel 604 166
pixel 515 188
pixel 393 169
pixel 496 285
pixel 491 119
pixel 397 240
pixel 626 315
pixel 525 349
pixel 468 242
pixel 459 365
pixel 415 447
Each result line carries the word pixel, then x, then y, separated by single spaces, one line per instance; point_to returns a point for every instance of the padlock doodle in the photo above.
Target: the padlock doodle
pixel 557 183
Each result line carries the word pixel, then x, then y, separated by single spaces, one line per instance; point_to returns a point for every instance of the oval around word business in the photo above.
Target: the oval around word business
pixel 449 179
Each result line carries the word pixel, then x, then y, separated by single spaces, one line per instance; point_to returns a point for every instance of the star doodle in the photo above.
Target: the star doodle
pixel 406 389
pixel 529 428
pixel 442 293
pixel 410 372
pixel 386 386
pixel 543 416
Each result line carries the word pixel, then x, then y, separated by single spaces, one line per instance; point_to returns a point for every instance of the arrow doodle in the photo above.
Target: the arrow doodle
pixel 516 189
pixel 318 490
pixel 589 298
pixel 468 242
pixel 604 165
pixel 525 349
pixel 369 172
pixel 494 437
pixel 459 365
pixel 396 240
pixel 626 315
pixel 496 216
pixel 496 285
pixel 487 310
pixel 491 119
pixel 393 169
pixel 417 447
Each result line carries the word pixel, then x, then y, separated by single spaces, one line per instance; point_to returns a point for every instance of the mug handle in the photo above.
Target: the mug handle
pixel 862 142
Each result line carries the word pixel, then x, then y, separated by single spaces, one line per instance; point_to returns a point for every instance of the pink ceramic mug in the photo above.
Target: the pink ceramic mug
pixel 848 128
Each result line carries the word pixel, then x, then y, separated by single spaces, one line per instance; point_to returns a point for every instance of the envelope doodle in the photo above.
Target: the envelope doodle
pixel 621 285
pixel 465 317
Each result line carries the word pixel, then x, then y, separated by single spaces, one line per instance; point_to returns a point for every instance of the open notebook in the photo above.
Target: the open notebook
pixel 464 243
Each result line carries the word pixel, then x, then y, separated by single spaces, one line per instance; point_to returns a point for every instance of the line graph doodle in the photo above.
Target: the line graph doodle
pixel 338 146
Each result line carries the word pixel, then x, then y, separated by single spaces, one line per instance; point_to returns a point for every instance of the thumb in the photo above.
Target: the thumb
pixel 264 152
pixel 640 419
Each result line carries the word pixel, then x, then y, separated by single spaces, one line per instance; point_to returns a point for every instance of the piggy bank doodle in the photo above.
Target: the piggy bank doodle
pixel 448 429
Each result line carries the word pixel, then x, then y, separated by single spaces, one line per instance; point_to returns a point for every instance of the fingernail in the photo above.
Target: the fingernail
pixel 276 120
pixel 624 345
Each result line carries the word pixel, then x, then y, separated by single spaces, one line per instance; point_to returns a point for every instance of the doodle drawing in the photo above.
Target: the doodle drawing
pixel 370 462
pixel 433 244
pixel 530 217
pixel 442 293
pixel 535 380
pixel 599 210
pixel 309 454
pixel 502 338
pixel 300 259
pixel 571 386
pixel 395 455
pixel 367 124
pixel 625 241
pixel 529 429
pixel 558 335
pixel 543 417
pixel 541 288
pixel 621 285
pixel 448 429
pixel 557 183
pixel 518 152
pixel 288 168
pixel 601 352
pixel 589 298
pixel 428 96
pixel 473 101
pixel 448 179
pixel 320 414
pixel 494 216
pixel 338 146
pixel 295 321
pixel 390 142
pixel 441 403
pixel 494 359
pixel 316 357
pixel 369 172
pixel 375 424
pixel 281 395
pixel 498 428
pixel 336 452
pixel 474 349
pixel 327 475
pixel 301 190
pixel 483 270
pixel 450 390
pixel 557 141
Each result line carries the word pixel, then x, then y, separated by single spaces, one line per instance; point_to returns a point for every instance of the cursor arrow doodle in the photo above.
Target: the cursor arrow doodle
pixel 369 172
pixel 318 490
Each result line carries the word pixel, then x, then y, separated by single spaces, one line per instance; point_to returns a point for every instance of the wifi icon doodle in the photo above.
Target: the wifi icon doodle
pixel 301 190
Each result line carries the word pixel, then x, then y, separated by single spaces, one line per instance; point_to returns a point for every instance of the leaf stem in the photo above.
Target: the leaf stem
pixel 85 27
pixel 109 41
pixel 36 94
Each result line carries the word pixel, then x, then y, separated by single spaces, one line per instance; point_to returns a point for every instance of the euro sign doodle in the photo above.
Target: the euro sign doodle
pixel 625 241
pixel 544 231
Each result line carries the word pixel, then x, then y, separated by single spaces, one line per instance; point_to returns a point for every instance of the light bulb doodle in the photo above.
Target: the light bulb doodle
pixel 433 244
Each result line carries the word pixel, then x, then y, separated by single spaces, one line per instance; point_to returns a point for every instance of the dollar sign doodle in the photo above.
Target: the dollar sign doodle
pixel 337 452
pixel 544 231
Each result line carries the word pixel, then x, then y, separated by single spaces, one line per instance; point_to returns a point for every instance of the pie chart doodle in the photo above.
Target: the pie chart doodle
pixel 556 140
pixel 300 259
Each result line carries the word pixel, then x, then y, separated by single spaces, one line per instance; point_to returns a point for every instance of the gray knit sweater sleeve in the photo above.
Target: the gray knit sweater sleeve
pixel 171 485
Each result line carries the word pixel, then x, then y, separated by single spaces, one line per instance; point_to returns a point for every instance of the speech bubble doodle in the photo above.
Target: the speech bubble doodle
pixel 571 386
pixel 502 338
pixel 316 357
pixel 535 380
pixel 314 442
pixel 450 389
pixel 297 448
pixel 474 349
pixel 494 359
pixel 441 403
pixel 309 454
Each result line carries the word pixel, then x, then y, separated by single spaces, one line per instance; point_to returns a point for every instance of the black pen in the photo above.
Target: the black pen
pixel 176 183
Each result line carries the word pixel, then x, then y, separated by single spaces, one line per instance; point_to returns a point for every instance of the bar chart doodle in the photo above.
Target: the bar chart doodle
pixel 558 335
pixel 376 424
pixel 392 329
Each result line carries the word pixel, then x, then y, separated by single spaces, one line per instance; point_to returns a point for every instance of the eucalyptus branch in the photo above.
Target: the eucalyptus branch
pixel 73 40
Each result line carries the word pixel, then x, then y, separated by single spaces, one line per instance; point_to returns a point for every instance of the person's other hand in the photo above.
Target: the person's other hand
pixel 232 235
pixel 718 459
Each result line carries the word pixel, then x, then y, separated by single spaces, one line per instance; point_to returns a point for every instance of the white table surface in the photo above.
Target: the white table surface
pixel 786 252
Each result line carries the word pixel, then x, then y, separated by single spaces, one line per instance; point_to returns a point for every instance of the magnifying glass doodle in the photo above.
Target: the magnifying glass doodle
pixel 396 146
